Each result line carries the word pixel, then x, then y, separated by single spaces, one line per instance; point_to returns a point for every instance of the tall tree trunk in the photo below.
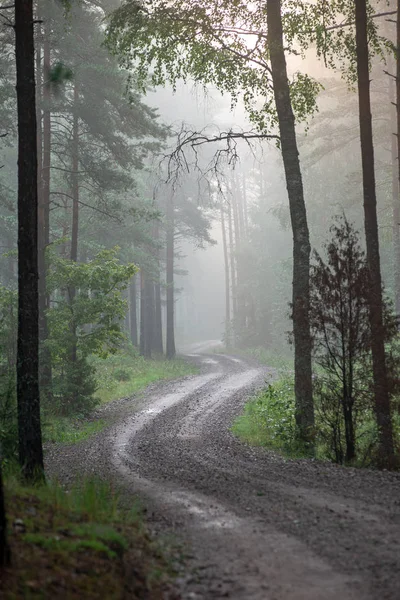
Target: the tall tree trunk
pixel 244 290
pixel 349 430
pixel 4 547
pixel 381 390
pixel 233 269
pixel 29 427
pixel 45 374
pixel 158 336
pixel 396 188
pixel 301 240
pixel 149 331
pixel 75 210
pixel 75 180
pixel 227 285
pixel 142 313
pixel 133 311
pixel 157 329
pixel 245 206
pixel 170 225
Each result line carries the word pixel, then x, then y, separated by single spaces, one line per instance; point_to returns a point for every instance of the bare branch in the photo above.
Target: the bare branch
pixel 189 140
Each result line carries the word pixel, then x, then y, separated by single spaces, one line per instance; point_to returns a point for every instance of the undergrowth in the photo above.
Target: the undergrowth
pixel 78 544
pixel 122 375
pixel 118 376
pixel 268 420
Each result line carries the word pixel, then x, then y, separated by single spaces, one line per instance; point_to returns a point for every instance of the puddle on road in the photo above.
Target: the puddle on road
pixel 210 516
pixel 209 361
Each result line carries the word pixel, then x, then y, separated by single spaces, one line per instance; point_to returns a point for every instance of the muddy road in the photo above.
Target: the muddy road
pixel 253 525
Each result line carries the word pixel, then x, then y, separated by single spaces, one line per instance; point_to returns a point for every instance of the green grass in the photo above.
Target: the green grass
pixel 118 376
pixel 124 375
pixel 268 419
pixel 79 543
pixel 69 430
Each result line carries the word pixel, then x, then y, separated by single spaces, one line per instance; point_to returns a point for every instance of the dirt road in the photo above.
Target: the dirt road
pixel 255 526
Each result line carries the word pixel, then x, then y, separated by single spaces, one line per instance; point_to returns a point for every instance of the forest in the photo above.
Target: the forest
pixel 199 299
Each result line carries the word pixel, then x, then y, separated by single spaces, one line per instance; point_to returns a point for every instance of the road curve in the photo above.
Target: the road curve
pixel 254 525
pixel 258 527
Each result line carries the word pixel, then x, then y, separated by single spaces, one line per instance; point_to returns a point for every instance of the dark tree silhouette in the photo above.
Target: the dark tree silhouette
pixel 170 226
pixel 30 439
pixel 301 241
pixel 381 388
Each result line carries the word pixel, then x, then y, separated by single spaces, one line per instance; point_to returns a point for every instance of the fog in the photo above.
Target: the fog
pixel 127 168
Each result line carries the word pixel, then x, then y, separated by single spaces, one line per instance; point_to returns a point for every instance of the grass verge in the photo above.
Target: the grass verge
pixel 268 419
pixel 78 545
pixel 118 376
pixel 123 375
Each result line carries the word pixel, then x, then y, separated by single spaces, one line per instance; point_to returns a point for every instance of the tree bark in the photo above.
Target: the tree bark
pixel 157 329
pixel 233 270
pixel 45 372
pixel 381 389
pixel 150 313
pixel 75 211
pixel 301 240
pixel 227 284
pixel 142 314
pixel 74 178
pixel 133 311
pixel 396 182
pixel 170 225
pixel 29 427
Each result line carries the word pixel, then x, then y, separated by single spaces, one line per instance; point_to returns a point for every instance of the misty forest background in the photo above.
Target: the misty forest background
pixel 163 219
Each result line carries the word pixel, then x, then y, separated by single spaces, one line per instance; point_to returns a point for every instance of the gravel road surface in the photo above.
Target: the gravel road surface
pixel 253 525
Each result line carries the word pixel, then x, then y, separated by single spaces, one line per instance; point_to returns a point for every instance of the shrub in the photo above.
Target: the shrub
pixel 122 375
pixel 269 419
pixel 74 388
pixel 340 325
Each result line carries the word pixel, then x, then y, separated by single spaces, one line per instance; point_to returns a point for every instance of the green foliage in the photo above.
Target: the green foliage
pixel 137 373
pixel 74 386
pixel 62 546
pixel 122 375
pixel 70 430
pixel 59 74
pixel 269 419
pixel 84 320
pixel 340 325
pixel 315 24
pixel 84 531
pixel 208 43
pixel 90 319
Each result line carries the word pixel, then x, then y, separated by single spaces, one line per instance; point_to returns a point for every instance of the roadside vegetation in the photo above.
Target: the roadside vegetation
pixel 78 544
pixel 268 420
pixel 120 375
pixel 345 429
